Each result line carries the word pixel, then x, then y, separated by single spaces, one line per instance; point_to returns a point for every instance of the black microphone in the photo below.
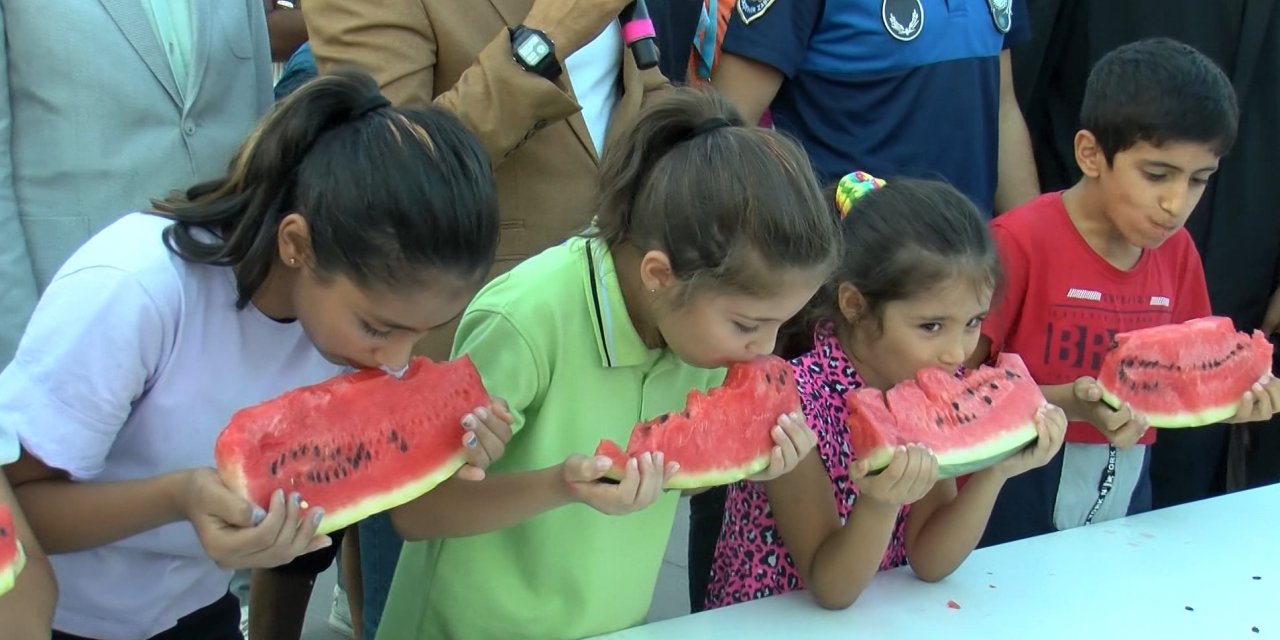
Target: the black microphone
pixel 637 31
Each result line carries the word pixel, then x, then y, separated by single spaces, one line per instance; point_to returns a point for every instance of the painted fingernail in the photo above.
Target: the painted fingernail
pixel 482 413
pixel 318 515
pixel 472 440
pixel 296 498
pixel 258 516
pixel 278 495
pixel 469 422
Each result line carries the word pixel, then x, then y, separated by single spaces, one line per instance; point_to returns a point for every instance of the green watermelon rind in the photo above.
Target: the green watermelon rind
pixel 1186 420
pixel 958 462
pixel 9 574
pixel 704 480
pixel 377 503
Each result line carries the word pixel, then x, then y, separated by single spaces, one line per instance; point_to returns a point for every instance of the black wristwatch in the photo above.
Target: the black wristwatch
pixel 534 51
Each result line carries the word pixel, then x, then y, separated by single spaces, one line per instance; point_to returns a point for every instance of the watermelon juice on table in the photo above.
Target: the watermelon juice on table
pixel 721 436
pixel 356 444
pixel 970 423
pixel 1184 375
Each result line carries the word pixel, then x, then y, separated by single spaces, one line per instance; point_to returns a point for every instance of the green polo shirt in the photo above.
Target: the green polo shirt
pixel 554 339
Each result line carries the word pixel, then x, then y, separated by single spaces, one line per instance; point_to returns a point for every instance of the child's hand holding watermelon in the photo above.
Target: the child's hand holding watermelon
pixel 489 431
pixel 794 439
pixel 1260 402
pixel 1051 429
pixel 238 535
pixel 909 476
pixel 642 482
pixel 1122 428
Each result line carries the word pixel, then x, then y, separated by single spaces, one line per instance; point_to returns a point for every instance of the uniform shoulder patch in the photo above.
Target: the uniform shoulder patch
pixel 749 10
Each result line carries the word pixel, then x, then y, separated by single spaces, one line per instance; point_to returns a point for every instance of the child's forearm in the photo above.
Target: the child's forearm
pixel 955 528
pixel 846 561
pixel 71 516
pixel 28 609
pixel 460 508
pixel 1064 396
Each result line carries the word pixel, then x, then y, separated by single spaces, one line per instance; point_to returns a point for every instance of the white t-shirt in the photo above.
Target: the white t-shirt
pixel 593 71
pixel 8 444
pixel 132 364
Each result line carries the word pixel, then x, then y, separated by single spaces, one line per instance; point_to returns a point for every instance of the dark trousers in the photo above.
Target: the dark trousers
pixel 218 621
pixel 706 513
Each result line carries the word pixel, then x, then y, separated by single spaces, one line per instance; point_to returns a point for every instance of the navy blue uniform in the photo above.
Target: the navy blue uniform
pixel 891 87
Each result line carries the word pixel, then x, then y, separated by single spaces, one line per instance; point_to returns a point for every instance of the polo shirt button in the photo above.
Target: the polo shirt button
pixel 540 124
pixel 188 128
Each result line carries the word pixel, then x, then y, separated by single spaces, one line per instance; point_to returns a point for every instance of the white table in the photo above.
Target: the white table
pixel 1186 572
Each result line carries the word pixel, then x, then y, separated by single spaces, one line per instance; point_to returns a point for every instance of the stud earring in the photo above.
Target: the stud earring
pixel 293 262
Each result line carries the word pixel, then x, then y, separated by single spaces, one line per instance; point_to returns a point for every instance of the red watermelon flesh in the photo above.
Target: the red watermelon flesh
pixel 1184 375
pixel 722 436
pixel 354 445
pixel 12 559
pixel 970 423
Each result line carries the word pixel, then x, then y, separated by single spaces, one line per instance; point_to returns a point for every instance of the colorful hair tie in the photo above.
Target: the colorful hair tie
pixel 854 186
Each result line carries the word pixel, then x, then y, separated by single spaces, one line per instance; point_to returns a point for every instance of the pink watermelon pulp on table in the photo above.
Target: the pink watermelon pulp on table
pixel 12 559
pixel 1184 375
pixel 722 436
pixel 356 444
pixel 970 423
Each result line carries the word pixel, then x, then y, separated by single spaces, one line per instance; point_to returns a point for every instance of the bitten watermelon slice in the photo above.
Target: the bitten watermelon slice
pixel 1184 375
pixel 721 436
pixel 969 423
pixel 356 444
pixel 12 559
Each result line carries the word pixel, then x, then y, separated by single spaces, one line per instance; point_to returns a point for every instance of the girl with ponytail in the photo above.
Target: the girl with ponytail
pixel 344 230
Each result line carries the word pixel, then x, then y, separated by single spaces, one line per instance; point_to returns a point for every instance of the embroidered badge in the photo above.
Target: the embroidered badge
pixel 1001 14
pixel 749 10
pixel 903 19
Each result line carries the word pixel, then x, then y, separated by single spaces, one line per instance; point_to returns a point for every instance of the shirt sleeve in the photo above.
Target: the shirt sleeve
pixel 1006 305
pixel 87 355
pixel 1020 31
pixel 772 32
pixel 510 368
pixel 1193 295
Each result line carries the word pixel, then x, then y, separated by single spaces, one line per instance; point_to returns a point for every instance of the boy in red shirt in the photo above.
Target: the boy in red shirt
pixel 1106 256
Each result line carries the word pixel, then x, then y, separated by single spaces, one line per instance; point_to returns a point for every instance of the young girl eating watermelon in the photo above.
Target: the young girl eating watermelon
pixel 710 234
pixel 915 280
pixel 344 230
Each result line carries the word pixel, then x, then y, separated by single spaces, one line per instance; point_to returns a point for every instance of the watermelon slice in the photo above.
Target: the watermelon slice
pixel 722 436
pixel 969 423
pixel 1184 375
pixel 12 559
pixel 357 444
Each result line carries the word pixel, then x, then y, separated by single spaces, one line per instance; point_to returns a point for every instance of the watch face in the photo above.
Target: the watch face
pixel 532 50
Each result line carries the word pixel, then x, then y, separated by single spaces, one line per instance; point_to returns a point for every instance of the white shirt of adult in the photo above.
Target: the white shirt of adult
pixel 133 362
pixel 594 72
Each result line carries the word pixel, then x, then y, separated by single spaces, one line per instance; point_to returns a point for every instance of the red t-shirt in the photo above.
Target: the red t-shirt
pixel 1061 303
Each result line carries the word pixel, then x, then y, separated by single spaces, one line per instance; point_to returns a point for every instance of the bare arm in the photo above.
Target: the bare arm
pixel 73 516
pixel 28 609
pixel 943 528
pixel 749 85
pixel 836 562
pixel 1017 181
pixel 285 27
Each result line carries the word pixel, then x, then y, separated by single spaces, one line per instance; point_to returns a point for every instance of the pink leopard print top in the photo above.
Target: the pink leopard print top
pixel 751 561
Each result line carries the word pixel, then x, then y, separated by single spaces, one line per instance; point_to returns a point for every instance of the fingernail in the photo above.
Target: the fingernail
pixel 318 515
pixel 296 498
pixel 468 422
pixel 482 413
pixel 258 516
pixel 278 495
pixel 472 440
pixel 603 463
pixel 675 466
pixel 328 542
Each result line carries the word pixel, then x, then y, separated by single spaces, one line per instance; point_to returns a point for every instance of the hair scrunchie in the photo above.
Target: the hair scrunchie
pixel 852 187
